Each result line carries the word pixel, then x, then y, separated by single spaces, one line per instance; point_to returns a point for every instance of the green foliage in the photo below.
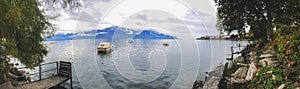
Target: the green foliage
pixel 259 14
pixel 265 80
pixel 292 73
pixel 22 27
pixel 287 41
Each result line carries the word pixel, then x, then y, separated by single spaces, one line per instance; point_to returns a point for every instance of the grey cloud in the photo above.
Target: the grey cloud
pixel 84 17
pixel 195 18
pixel 204 23
pixel 138 23
pixel 170 20
pixel 195 14
pixel 142 16
pixel 106 1
pixel 123 17
pixel 200 23
pixel 192 17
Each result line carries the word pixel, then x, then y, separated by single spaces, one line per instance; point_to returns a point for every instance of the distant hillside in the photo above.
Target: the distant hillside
pixel 149 34
pixel 115 32
pixel 61 36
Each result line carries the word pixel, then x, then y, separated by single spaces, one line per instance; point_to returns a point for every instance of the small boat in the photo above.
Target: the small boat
pixel 130 41
pixel 166 43
pixel 52 42
pixel 104 47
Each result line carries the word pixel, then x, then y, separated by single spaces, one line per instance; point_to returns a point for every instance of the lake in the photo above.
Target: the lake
pixel 141 64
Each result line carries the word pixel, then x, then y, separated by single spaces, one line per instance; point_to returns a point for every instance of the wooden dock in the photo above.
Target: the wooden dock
pixel 44 83
pixel 64 73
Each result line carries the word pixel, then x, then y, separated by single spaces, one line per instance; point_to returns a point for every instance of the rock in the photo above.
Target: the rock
pixel 252 56
pixel 240 72
pixel 239 59
pixel 251 72
pixel 212 83
pixel 214 79
pixel 273 76
pixel 22 72
pixel 265 55
pixel 218 71
pixel 268 62
pixel 264 61
pixel 272 63
pixel 281 86
pixel 198 84
pixel 296 84
pixel 268 50
pixel 237 80
pixel 269 72
pixel 242 64
pixel 10 66
pixel 297 88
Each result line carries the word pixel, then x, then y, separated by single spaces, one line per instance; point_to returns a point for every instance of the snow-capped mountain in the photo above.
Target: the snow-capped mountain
pixel 114 32
pixel 62 36
pixel 150 34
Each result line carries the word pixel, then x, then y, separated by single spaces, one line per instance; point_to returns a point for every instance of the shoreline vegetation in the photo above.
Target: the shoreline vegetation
pixel 272 60
pixel 258 67
pixel 221 37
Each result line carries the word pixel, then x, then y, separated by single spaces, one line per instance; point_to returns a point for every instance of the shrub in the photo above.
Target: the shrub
pixel 265 80
pixel 287 43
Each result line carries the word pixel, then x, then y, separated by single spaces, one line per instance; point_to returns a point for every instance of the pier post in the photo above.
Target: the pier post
pixel 71 77
pixel 231 53
pixel 239 46
pixel 57 67
pixel 40 72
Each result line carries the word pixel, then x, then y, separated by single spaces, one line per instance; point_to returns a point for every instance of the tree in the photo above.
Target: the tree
pixel 259 14
pixel 22 28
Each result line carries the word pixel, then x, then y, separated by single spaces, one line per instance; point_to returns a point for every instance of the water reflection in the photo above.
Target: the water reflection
pixel 152 65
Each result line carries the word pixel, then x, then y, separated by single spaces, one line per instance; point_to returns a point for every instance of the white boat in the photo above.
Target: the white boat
pixel 130 41
pixel 104 47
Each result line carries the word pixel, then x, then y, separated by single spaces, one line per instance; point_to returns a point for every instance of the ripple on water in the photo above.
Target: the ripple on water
pixel 81 51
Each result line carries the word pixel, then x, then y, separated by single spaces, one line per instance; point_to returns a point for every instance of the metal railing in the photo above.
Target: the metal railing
pixel 236 52
pixel 40 70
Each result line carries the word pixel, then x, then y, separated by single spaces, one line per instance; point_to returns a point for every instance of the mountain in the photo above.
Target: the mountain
pixel 150 34
pixel 114 32
pixel 67 36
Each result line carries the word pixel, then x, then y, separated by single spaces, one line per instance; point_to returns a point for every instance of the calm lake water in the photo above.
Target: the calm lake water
pixel 141 64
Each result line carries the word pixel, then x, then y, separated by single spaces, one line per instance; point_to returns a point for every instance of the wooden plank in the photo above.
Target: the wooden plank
pixel 64 74
pixel 44 83
pixel 6 85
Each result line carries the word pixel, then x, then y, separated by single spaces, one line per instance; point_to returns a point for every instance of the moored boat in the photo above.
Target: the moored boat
pixel 104 47
pixel 130 41
pixel 166 43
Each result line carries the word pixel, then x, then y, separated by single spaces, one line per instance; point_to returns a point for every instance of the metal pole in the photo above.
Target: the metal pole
pixel 40 72
pixel 239 46
pixel 57 67
pixel 231 53
pixel 71 83
pixel 71 76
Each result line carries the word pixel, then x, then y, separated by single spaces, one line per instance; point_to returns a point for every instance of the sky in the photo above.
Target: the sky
pixel 183 18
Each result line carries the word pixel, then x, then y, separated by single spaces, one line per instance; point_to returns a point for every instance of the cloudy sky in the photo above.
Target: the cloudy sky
pixel 177 17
